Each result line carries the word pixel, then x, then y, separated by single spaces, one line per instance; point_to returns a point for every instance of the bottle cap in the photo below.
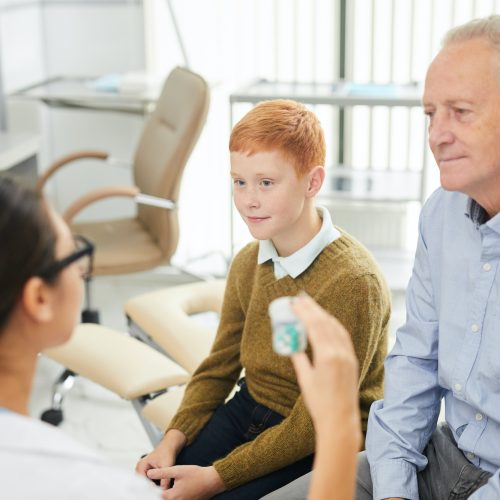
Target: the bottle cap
pixel 280 310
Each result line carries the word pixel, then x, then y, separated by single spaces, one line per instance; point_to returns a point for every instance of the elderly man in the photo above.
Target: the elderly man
pixel 449 347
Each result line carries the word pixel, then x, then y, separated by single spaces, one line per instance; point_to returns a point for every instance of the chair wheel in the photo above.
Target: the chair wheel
pixel 90 316
pixel 51 416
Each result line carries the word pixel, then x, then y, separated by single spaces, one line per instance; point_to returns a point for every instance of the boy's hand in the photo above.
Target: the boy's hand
pixel 163 455
pixel 330 384
pixel 190 481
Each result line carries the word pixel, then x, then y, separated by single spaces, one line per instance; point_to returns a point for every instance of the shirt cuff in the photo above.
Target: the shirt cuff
pixel 394 478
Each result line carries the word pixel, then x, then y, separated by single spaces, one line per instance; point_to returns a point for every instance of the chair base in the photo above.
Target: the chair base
pixel 52 417
pixel 62 386
pixel 66 380
pixel 90 316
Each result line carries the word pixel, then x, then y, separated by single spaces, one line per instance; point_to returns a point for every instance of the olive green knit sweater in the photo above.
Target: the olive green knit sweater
pixel 345 281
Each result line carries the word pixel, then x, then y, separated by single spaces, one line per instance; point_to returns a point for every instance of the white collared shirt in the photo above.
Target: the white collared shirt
pixel 299 261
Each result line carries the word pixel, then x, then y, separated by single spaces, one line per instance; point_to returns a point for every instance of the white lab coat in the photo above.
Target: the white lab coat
pixel 38 461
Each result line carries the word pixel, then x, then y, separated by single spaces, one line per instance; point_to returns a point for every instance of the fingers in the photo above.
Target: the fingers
pixel 142 466
pixel 302 366
pixel 163 473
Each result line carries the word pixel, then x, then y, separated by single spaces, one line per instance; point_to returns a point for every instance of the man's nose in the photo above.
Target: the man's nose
pixel 440 131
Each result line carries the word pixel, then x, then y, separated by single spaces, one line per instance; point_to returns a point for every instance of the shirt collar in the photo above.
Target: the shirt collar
pixel 476 213
pixel 300 260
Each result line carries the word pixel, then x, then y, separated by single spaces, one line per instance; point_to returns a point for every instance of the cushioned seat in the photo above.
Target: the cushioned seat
pixel 118 362
pixel 137 371
pixel 164 316
pixel 160 410
pixel 140 253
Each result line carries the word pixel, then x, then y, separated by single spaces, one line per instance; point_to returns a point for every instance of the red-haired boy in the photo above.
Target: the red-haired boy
pixel 263 437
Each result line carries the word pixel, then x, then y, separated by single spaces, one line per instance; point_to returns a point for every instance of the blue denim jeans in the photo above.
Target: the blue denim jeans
pixel 236 422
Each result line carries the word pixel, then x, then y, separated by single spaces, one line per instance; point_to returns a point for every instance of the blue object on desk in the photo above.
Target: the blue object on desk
pixel 107 83
pixel 373 89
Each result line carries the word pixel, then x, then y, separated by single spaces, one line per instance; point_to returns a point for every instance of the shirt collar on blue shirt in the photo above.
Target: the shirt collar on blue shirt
pixel 300 260
pixel 476 213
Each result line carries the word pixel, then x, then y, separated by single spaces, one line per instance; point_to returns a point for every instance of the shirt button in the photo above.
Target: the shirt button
pixel 474 328
pixel 458 387
pixel 486 266
pixel 479 417
pixel 470 455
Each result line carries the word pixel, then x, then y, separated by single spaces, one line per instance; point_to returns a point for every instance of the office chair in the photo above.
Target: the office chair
pixel 150 238
pixel 142 373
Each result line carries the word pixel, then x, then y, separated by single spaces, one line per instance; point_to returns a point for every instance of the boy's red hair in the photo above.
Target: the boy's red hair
pixel 284 125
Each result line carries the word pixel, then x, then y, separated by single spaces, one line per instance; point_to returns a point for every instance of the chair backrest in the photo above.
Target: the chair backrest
pixel 165 145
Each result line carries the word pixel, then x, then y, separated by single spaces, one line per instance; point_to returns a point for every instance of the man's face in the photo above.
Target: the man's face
pixel 462 101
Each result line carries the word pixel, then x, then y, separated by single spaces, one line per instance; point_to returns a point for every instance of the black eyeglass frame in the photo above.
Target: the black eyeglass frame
pixel 57 266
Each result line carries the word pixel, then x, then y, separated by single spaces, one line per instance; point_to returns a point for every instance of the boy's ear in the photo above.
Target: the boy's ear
pixel 37 300
pixel 316 176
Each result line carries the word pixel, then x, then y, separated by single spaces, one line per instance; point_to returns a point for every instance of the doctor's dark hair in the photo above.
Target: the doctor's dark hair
pixel 27 242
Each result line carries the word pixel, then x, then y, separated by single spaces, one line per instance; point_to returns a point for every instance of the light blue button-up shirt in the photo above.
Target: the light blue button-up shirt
pixel 299 261
pixel 449 348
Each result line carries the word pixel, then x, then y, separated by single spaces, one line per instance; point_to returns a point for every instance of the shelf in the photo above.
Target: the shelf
pixel 343 183
pixel 342 93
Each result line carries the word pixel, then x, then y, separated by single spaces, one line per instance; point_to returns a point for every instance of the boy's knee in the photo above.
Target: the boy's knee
pixel 364 488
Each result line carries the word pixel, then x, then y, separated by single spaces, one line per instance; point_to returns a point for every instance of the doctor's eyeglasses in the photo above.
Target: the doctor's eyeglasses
pixel 84 251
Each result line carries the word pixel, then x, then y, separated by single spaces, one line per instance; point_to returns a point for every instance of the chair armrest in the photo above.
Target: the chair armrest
pixel 112 191
pixel 61 162
pixel 118 362
pixel 96 195
pixel 155 201
pixel 118 162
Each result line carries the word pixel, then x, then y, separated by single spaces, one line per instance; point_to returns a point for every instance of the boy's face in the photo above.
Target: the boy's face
pixel 270 197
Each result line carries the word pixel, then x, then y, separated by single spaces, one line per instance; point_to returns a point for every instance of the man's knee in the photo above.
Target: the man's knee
pixel 364 488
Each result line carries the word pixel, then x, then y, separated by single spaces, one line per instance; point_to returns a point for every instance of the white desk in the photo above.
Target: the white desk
pixel 73 92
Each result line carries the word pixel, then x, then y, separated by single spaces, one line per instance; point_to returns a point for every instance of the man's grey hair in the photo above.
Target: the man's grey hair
pixel 487 28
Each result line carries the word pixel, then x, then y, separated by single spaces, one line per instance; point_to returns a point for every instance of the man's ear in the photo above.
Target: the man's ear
pixel 37 300
pixel 316 176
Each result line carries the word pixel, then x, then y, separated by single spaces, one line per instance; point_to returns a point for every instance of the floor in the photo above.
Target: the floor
pixel 94 415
